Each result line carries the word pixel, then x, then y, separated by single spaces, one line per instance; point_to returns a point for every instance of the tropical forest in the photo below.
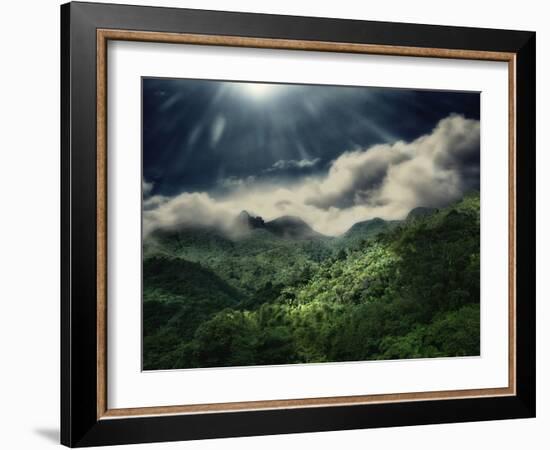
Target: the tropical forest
pixel 278 292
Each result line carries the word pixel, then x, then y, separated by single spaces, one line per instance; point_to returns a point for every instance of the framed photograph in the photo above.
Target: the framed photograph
pixel 276 224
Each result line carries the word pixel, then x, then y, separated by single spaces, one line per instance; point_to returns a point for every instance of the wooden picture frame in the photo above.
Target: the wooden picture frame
pixel 86 418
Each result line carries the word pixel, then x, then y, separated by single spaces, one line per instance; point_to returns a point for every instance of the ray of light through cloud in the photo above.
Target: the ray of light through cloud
pixel 331 155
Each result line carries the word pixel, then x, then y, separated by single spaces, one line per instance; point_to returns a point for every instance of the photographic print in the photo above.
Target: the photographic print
pixel 273 232
pixel 294 224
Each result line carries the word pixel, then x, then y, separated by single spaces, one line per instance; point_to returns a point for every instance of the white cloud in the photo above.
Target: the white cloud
pixel 429 171
pixel 286 164
pixel 382 181
pixel 355 176
pixel 444 165
pixel 146 187
pixel 186 209
pixel 235 182
pixel 154 202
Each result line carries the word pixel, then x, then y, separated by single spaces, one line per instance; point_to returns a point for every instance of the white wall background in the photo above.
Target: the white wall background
pixel 29 225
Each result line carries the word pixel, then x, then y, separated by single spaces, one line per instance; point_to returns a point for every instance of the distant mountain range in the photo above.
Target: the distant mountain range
pixel 366 229
pixel 293 227
pixel 288 227
pixel 252 234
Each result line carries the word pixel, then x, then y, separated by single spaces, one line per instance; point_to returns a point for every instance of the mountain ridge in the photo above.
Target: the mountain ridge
pixel 287 226
pixel 294 227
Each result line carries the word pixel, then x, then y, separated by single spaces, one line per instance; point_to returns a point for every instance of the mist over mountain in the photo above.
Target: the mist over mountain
pixel 248 222
pixel 246 225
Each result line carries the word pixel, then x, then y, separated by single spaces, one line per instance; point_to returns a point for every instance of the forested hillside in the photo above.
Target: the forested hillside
pixel 281 293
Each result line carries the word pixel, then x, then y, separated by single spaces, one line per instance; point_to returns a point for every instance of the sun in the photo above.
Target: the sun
pixel 259 91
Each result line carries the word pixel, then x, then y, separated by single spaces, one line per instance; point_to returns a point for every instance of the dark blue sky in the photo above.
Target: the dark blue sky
pixel 199 135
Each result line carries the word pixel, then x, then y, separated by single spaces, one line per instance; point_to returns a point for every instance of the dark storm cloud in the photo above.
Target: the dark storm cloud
pixel 209 136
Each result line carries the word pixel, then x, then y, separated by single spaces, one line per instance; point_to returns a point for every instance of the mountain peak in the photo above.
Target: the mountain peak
pixel 290 220
pixel 368 228
pixel 291 227
pixel 244 214
pixel 420 211
pixel 244 219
